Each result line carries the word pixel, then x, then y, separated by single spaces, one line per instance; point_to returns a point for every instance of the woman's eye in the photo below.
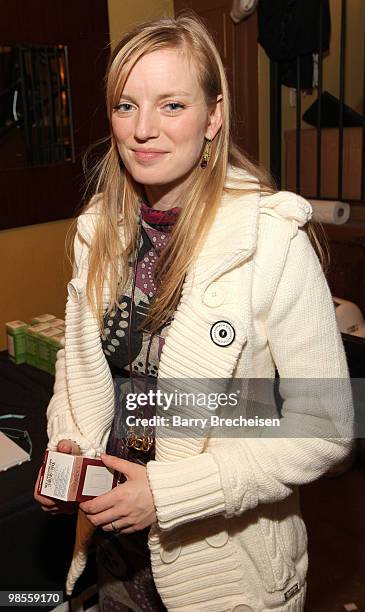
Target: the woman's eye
pixel 173 107
pixel 124 107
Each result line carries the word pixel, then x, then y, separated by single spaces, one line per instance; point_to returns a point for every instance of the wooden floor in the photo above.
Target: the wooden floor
pixel 334 512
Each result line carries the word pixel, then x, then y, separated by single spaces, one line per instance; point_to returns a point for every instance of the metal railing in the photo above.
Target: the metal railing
pixel 276 134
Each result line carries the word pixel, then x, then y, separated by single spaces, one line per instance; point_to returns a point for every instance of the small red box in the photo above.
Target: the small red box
pixel 74 478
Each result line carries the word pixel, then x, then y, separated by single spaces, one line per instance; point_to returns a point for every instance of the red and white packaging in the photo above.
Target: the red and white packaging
pixel 74 478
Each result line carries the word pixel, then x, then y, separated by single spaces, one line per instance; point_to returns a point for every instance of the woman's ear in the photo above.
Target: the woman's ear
pixel 215 118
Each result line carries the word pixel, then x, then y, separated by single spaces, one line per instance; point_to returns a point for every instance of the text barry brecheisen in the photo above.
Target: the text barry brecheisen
pixel 211 421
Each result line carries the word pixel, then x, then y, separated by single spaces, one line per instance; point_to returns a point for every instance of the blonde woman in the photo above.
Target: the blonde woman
pixel 189 267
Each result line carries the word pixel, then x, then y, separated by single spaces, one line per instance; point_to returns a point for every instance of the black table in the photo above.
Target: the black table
pixel 36 547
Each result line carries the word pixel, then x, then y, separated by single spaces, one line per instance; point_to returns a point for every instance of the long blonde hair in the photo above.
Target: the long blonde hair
pixel 111 250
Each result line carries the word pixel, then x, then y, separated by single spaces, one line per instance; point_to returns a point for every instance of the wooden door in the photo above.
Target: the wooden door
pixel 237 44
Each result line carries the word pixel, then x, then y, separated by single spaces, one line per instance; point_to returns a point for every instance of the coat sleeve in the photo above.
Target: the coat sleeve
pixel 60 420
pixel 316 425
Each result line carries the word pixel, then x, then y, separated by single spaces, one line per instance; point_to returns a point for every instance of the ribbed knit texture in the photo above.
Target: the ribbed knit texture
pixel 205 554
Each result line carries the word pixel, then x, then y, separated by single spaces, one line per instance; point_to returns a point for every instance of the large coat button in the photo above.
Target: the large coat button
pixel 217 539
pixel 242 608
pixel 170 552
pixel 214 296
pixel 74 288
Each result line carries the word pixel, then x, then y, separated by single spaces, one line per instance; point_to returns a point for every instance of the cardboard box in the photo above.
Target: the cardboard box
pixel 32 343
pixel 46 359
pixel 16 339
pixel 74 478
pixel 59 323
pixel 45 318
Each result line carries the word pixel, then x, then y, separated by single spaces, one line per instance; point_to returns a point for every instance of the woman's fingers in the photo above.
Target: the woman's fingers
pixel 121 525
pixel 69 447
pixel 67 507
pixel 50 509
pixel 47 504
pixel 104 502
pixel 104 518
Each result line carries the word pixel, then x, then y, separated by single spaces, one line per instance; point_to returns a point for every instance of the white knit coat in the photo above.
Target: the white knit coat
pixel 230 536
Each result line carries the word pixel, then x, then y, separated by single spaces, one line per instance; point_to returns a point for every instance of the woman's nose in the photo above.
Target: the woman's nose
pixel 148 124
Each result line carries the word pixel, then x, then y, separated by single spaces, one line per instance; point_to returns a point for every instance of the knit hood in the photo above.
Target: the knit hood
pixel 289 206
pixel 284 204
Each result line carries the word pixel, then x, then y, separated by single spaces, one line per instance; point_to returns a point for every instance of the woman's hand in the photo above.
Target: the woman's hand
pixel 129 505
pixel 57 506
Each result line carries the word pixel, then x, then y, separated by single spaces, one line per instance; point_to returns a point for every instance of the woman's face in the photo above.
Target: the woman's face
pixel 162 119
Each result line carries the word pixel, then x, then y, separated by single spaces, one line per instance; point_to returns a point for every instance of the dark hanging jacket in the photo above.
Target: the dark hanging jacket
pixel 289 29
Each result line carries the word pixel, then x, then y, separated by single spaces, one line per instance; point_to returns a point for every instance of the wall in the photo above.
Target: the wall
pixel 124 14
pixel 354 73
pixel 34 270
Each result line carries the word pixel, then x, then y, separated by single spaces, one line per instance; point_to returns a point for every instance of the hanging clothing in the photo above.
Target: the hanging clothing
pixel 288 30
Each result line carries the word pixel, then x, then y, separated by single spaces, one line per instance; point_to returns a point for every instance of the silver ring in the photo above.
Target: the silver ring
pixel 114 528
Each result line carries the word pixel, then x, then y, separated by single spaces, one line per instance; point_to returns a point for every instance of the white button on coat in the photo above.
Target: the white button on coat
pixel 217 539
pixel 242 608
pixel 171 552
pixel 213 296
pixel 74 288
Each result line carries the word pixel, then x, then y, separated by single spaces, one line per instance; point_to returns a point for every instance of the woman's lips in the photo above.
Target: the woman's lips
pixel 149 155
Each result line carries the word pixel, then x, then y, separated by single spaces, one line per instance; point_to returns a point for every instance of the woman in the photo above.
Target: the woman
pixel 189 265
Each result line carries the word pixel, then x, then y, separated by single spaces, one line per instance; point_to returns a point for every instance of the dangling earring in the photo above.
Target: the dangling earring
pixel 206 154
